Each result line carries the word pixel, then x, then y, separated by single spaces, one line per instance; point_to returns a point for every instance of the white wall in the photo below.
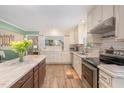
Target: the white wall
pixel 108 42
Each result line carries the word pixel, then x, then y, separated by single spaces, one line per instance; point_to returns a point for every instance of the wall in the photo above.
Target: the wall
pixel 108 42
pixel 12 28
pixel 17 36
pixel 18 33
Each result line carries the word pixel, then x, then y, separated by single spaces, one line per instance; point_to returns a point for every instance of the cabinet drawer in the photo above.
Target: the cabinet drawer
pixel 19 83
pixel 105 77
pixel 102 84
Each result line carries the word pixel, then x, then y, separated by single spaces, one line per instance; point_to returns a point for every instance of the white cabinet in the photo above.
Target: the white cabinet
pixel 57 57
pixel 77 65
pixel 107 11
pixel 78 35
pixel 119 14
pixel 71 37
pixel 89 21
pixel 66 43
pixel 108 81
pixel 94 17
pixel 97 15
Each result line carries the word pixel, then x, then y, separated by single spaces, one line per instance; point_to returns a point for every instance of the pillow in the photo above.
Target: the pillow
pixel 9 54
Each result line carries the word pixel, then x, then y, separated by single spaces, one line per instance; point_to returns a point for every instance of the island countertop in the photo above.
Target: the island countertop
pixel 13 70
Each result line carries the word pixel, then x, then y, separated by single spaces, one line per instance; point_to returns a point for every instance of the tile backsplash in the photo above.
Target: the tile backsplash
pixel 108 42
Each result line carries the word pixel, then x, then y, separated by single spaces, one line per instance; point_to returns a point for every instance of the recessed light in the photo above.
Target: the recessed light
pixel 83 21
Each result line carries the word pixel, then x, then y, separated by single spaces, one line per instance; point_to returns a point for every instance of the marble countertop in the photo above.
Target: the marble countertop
pixel 113 70
pixel 80 55
pixel 13 70
pixel 88 55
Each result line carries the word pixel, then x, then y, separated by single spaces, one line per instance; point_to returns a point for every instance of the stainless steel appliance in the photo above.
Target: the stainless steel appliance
pixel 105 26
pixel 90 72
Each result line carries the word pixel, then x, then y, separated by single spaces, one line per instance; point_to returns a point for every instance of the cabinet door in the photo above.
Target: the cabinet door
pixel 119 14
pixel 76 35
pixel 89 21
pixel 42 73
pixel 36 82
pixel 77 65
pixel 97 15
pixel 71 37
pixel 65 57
pixel 28 83
pixel 107 11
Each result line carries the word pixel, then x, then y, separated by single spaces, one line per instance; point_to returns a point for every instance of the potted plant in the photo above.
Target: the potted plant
pixel 20 47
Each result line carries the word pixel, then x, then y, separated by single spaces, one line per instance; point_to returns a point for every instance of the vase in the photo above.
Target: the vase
pixel 21 57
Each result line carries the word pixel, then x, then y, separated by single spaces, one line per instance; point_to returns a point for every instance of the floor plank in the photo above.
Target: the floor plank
pixel 61 76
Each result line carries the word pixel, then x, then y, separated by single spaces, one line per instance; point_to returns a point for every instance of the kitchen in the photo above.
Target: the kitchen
pixel 83 48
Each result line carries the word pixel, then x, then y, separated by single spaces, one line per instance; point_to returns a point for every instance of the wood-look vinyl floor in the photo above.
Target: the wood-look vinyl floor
pixel 61 76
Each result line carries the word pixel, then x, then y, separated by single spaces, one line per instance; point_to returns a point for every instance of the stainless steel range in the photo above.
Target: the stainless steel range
pixel 90 71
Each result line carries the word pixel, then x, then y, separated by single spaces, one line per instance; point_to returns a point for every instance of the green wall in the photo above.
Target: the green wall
pixel 31 33
pixel 12 28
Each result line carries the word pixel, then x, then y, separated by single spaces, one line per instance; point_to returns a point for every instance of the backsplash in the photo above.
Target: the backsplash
pixel 108 42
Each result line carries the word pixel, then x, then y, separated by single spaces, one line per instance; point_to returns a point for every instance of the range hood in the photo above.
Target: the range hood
pixel 106 26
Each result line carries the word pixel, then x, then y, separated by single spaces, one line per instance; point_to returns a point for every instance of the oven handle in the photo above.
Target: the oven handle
pixel 89 66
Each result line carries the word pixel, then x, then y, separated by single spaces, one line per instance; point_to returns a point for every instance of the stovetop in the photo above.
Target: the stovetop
pixel 93 61
pixel 106 59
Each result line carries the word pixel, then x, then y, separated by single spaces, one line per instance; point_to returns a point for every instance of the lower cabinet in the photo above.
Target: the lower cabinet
pixel 34 78
pixel 77 65
pixel 57 57
pixel 28 83
pixel 42 73
pixel 106 80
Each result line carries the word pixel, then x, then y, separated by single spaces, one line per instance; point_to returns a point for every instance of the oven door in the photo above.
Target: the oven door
pixel 89 75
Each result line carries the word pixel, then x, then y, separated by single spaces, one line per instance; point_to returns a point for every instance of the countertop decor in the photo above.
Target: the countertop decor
pixel 20 47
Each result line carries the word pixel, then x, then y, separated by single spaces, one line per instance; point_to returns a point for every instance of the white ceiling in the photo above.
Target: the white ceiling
pixel 43 17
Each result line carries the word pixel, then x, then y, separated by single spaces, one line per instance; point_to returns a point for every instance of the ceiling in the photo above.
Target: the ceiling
pixel 44 17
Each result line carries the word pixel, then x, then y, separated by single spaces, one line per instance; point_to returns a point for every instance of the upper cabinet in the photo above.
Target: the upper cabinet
pixel 97 15
pixel 119 14
pixel 78 35
pixel 107 11
pixel 89 20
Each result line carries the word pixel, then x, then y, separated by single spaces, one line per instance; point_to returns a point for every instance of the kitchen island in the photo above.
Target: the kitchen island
pixel 27 74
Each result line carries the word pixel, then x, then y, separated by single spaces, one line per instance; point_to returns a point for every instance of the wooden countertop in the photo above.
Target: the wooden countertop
pixel 13 70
